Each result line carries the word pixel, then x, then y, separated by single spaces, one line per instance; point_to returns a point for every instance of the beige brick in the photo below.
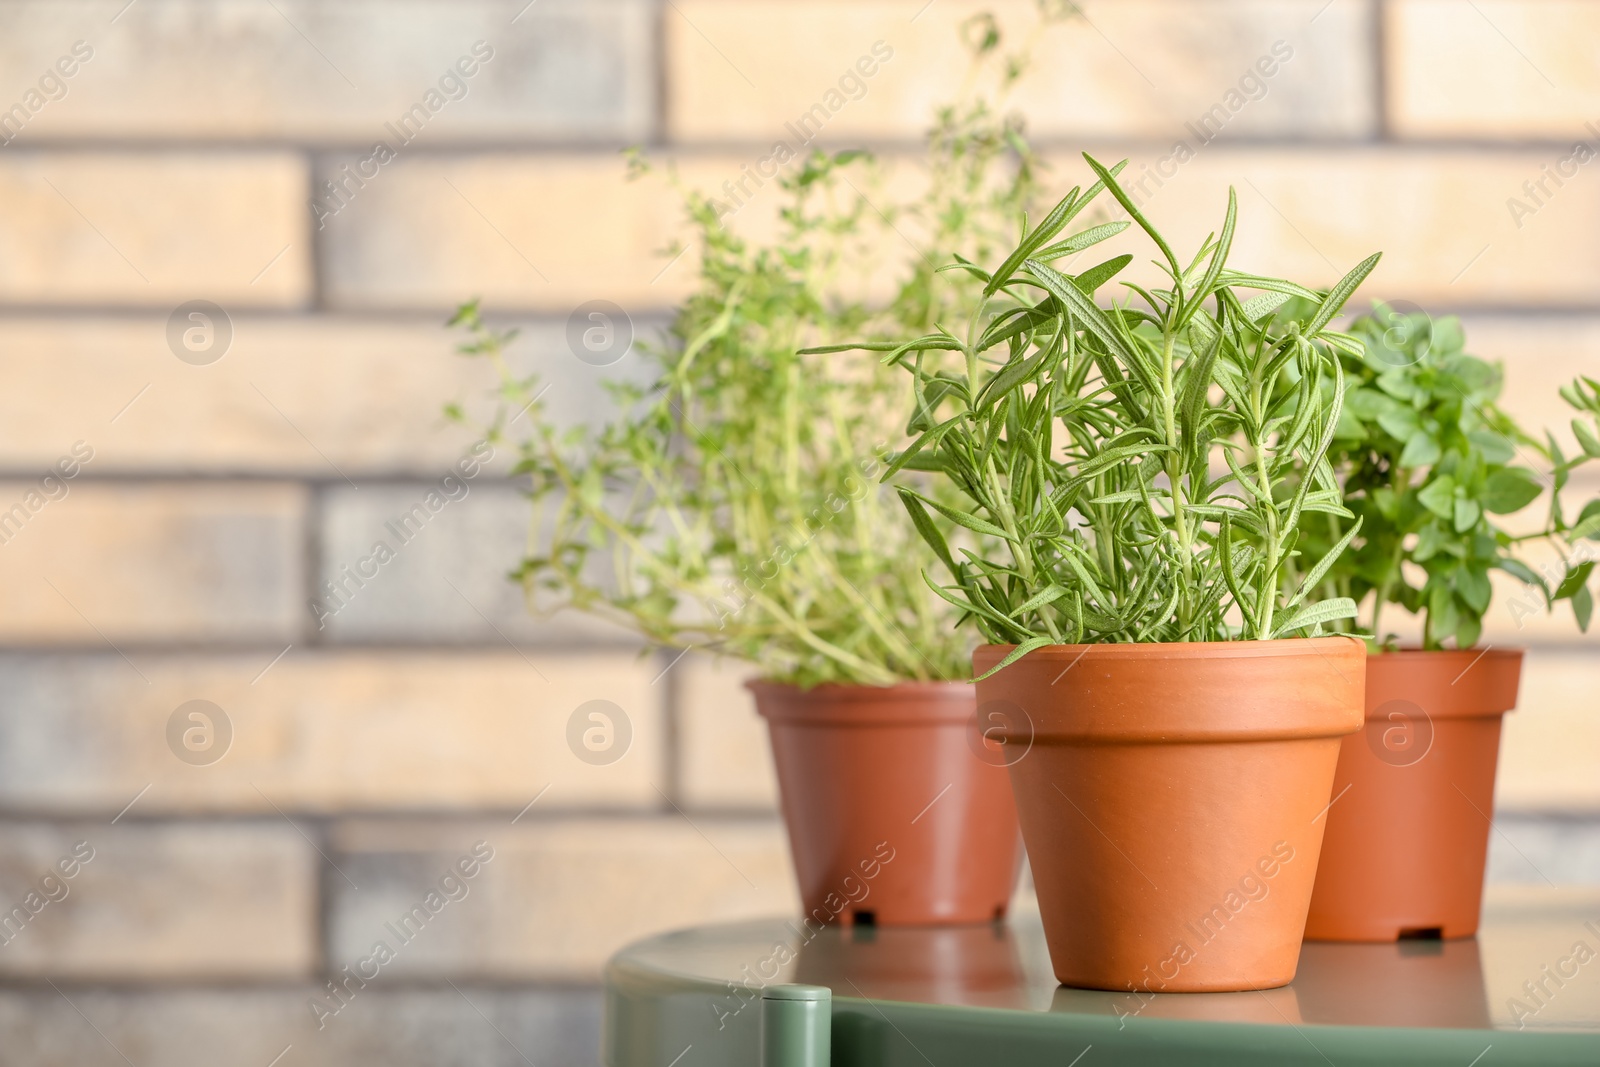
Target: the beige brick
pixel 324 731
pixel 150 562
pixel 155 230
pixel 1540 354
pixel 1137 68
pixel 1516 69
pixel 302 70
pixel 1439 216
pixel 160 901
pixel 320 396
pixel 1551 744
pixel 726 758
pixel 558 897
pixel 519 230
pixel 1310 214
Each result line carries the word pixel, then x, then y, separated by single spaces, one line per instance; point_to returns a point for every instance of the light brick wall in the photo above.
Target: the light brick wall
pixel 429 712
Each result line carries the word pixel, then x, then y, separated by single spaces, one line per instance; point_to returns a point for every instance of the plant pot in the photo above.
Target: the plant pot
pixel 1170 797
pixel 1408 830
pixel 893 817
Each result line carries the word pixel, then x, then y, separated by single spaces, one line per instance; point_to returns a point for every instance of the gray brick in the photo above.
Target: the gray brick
pixel 1559 849
pixel 157 900
pixel 410 1027
pixel 559 897
pixel 305 71
pixel 447 580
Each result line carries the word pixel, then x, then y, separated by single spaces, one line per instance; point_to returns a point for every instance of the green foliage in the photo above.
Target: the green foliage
pixel 1127 473
pixel 1427 459
pixel 733 503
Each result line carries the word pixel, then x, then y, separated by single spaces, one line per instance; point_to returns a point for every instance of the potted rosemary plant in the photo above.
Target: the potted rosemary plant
pixel 1171 716
pixel 733 505
pixel 1428 461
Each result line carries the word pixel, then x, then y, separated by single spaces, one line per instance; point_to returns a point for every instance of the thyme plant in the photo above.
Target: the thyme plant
pixel 1428 459
pixel 733 503
pixel 1128 472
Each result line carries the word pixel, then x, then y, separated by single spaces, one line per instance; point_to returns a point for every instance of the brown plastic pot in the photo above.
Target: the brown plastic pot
pixel 1169 797
pixel 1408 830
pixel 893 817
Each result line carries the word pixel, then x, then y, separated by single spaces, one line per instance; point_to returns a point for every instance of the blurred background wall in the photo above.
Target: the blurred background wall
pixel 351 756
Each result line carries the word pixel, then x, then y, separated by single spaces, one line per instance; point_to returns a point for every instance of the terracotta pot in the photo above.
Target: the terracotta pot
pixel 1408 831
pixel 1170 797
pixel 893 817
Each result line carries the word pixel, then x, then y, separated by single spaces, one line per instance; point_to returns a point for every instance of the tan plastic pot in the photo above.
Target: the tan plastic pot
pixel 1408 831
pixel 897 813
pixel 1170 798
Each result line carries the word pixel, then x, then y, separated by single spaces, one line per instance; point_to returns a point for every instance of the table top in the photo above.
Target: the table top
pixel 1526 990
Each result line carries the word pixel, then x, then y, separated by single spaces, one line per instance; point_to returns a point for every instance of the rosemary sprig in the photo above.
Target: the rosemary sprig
pixel 1128 472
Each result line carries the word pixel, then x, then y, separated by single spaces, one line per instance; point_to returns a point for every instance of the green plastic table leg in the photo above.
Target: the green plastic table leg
pixel 796 1024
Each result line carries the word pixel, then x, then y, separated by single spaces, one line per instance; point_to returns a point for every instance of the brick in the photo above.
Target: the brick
pixel 221 70
pixel 1440 216
pixel 154 230
pixel 726 758
pixel 150 562
pixel 740 71
pixel 559 897
pixel 324 732
pixel 1551 743
pixel 325 397
pixel 519 230
pixel 447 580
pixel 160 901
pixel 1496 68
pixel 1540 353
pixel 1311 214
pixel 1544 850
pixel 402 1027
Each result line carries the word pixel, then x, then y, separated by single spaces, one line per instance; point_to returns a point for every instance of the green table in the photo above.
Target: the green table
pixel 1525 991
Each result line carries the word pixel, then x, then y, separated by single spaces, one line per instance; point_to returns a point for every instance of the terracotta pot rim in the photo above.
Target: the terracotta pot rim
pixel 834 704
pixel 1428 679
pixel 1474 653
pixel 853 691
pixel 1175 650
pixel 1199 693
